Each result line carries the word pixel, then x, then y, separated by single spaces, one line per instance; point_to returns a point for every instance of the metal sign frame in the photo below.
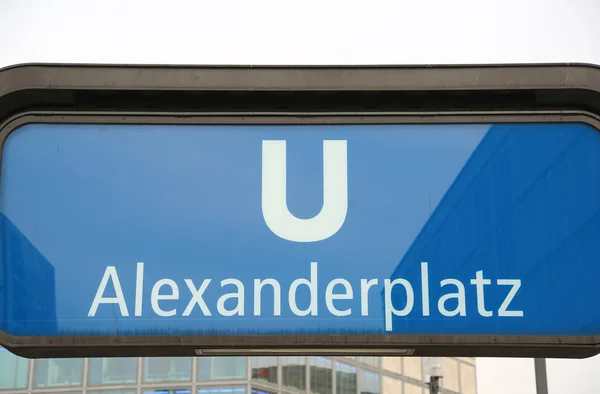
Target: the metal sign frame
pixel 308 95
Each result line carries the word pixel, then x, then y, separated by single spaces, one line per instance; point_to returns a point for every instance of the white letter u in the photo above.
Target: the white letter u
pixel 274 197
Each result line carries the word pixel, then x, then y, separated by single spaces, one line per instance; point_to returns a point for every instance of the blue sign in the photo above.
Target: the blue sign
pixel 466 229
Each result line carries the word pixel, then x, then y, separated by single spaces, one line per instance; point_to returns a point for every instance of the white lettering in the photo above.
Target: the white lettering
pixel 274 194
pixel 109 273
pixel 364 295
pixel 479 282
pixel 156 296
pixel 139 288
pixel 347 295
pixel 425 288
pixel 461 308
pixel 516 285
pixel 304 298
pixel 258 285
pixel 239 294
pixel 312 285
pixel 197 297
pixel 389 307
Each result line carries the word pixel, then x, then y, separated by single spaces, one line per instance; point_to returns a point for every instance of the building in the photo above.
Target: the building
pixel 229 375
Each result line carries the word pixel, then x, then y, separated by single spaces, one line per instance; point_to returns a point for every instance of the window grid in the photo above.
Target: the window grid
pixel 286 362
pixel 266 384
pixel 86 367
pixel 248 383
pixel 30 377
pixel 334 373
pixel 213 389
pixel 140 373
pixel 179 378
pixel 307 374
pixel 195 374
pixel 55 362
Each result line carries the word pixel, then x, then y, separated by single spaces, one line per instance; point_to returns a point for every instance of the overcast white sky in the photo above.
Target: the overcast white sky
pixel 320 32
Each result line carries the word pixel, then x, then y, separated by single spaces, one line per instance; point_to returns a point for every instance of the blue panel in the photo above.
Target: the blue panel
pixel 435 229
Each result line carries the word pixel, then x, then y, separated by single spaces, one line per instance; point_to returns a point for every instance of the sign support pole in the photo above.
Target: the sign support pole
pixel 433 367
pixel 541 377
pixel 434 384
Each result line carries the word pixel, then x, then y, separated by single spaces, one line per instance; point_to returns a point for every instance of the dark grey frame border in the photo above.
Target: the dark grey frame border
pixel 77 93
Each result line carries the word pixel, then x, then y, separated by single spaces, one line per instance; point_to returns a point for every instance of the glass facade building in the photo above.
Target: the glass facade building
pixel 230 375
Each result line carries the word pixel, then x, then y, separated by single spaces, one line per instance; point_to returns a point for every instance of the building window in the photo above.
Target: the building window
pixel 167 391
pixel 321 375
pixel 112 371
pixel 58 372
pixel 261 391
pixel 112 392
pixel 369 382
pixel 345 379
pixel 392 385
pixel 59 392
pixel 392 364
pixel 222 390
pixel 370 360
pixel 14 371
pixel 221 368
pixel 167 369
pixel 293 372
pixel 265 369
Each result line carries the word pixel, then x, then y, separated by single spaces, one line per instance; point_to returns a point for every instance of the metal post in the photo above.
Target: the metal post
pixel 541 376
pixel 433 368
pixel 434 384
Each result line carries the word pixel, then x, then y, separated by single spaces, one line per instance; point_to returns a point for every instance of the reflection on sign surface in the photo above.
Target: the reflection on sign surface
pixel 367 229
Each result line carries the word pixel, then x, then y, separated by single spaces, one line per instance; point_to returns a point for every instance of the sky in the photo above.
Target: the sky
pixel 320 32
